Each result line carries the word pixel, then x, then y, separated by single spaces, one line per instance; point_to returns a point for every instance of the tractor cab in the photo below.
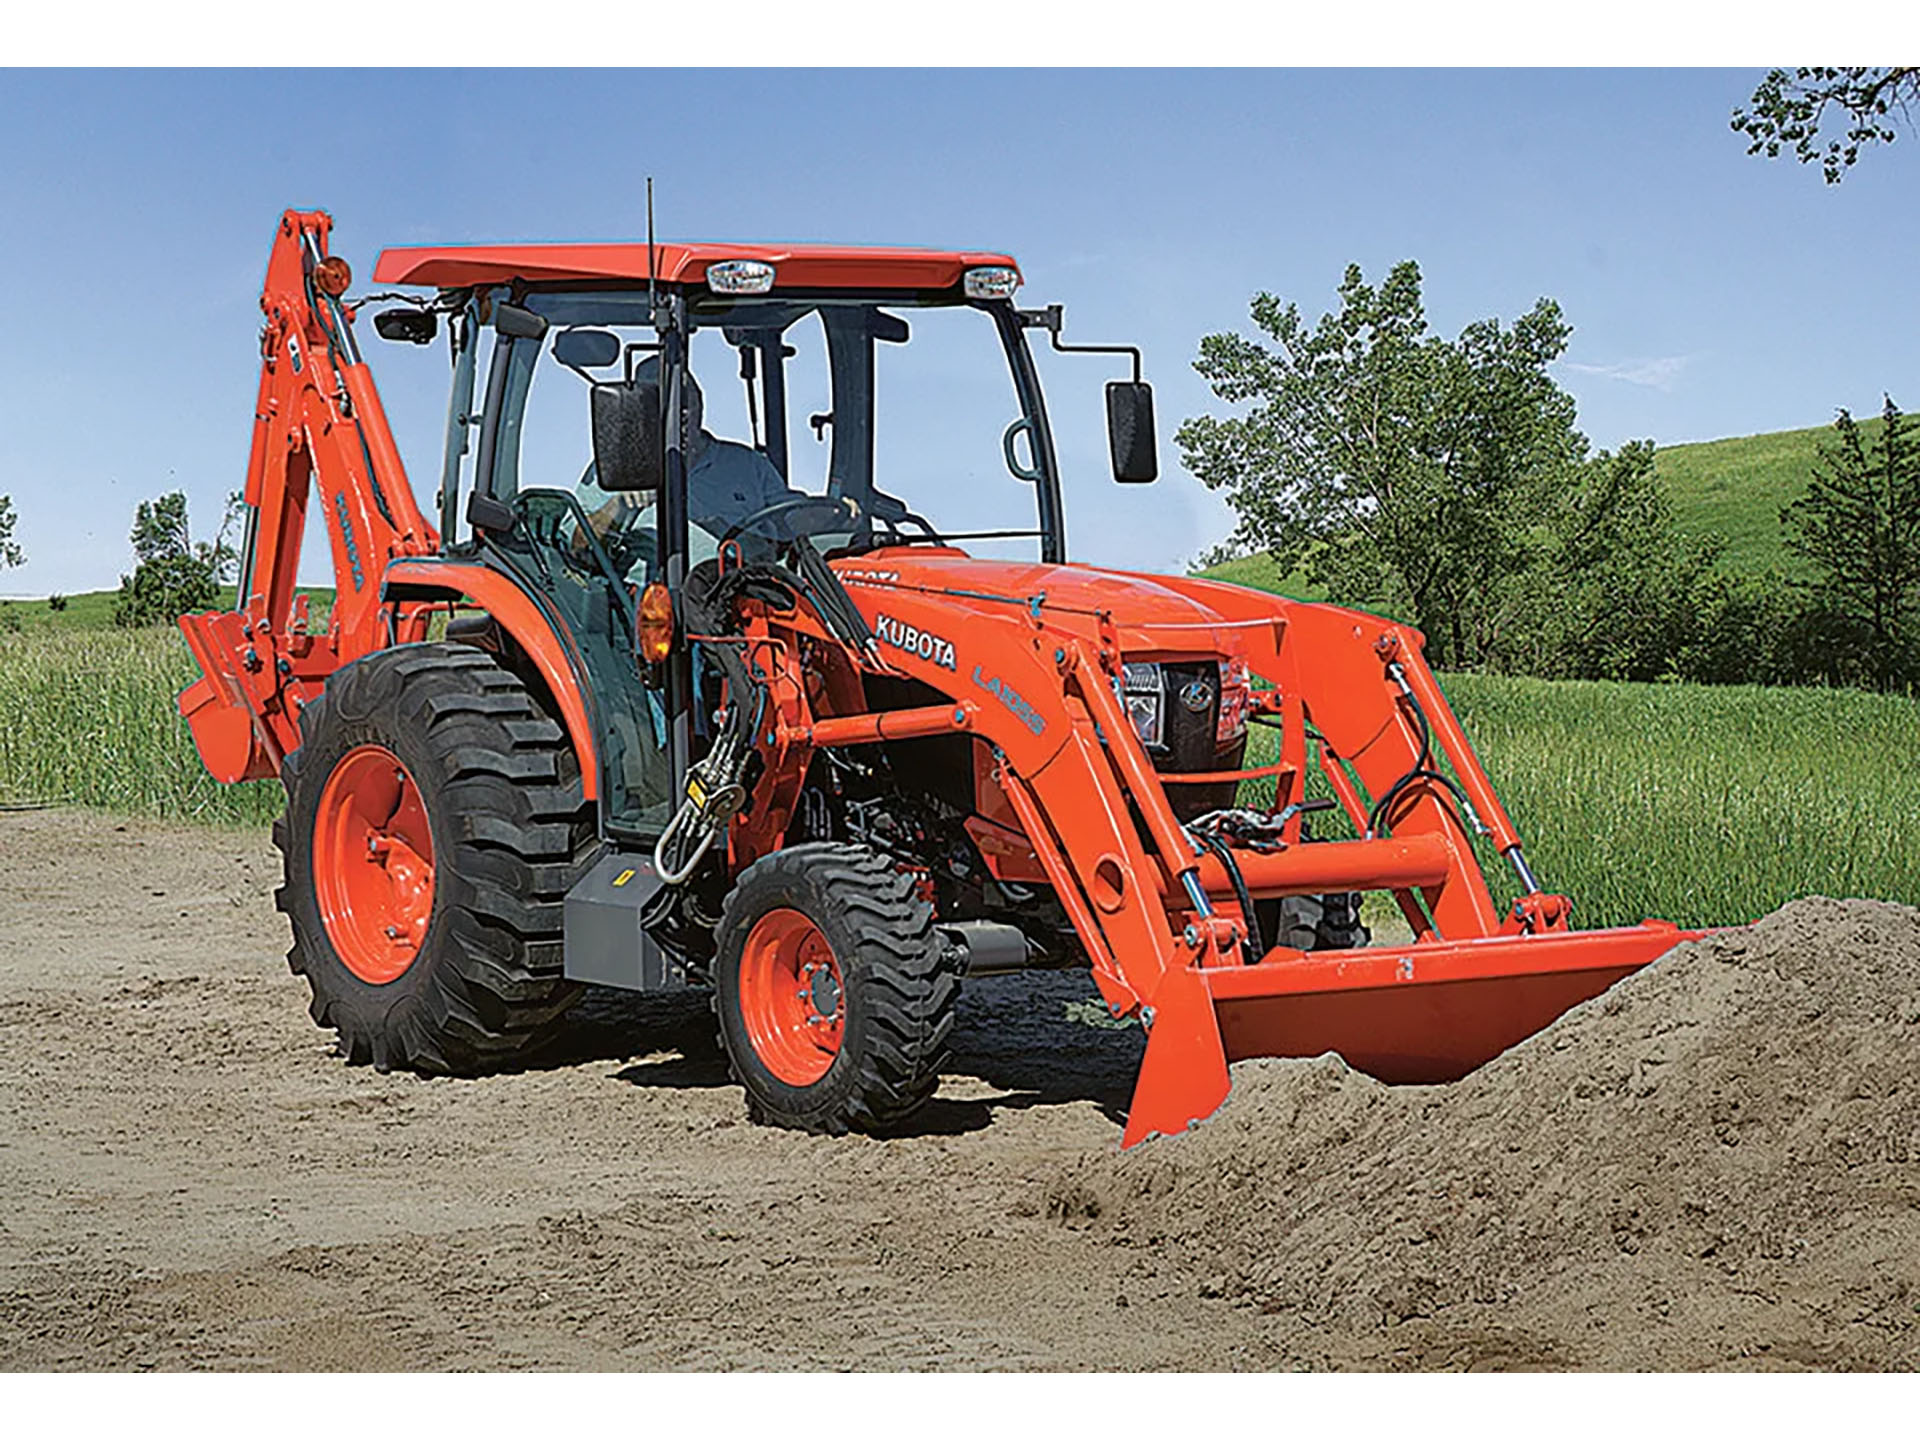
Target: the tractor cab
pixel 605 438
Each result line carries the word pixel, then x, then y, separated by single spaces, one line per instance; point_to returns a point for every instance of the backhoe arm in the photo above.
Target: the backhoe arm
pixel 318 423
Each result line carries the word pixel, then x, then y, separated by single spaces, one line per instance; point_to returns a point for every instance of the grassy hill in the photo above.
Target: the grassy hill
pixel 1736 488
pixel 1730 488
pixel 93 610
pixel 1258 572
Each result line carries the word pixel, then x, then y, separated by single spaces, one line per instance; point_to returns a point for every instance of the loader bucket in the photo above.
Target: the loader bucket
pixel 1412 1014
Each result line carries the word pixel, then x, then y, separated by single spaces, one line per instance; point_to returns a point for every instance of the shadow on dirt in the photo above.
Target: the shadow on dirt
pixel 1044 1038
pixel 607 1024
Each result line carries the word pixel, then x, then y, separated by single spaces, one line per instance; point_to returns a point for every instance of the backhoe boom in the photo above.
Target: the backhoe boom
pixel 318 426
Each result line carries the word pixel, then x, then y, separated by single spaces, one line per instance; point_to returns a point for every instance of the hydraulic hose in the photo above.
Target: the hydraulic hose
pixel 1253 944
pixel 715 790
pixel 1422 769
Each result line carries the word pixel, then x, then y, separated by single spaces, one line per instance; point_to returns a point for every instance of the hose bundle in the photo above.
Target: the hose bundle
pixel 716 789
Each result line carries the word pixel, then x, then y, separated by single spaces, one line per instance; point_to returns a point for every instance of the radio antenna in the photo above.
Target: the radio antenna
pixel 653 260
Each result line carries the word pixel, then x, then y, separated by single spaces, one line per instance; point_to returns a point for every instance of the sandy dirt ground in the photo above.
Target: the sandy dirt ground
pixel 189 1178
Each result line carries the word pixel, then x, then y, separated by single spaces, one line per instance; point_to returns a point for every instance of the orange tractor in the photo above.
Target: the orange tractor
pixel 646 707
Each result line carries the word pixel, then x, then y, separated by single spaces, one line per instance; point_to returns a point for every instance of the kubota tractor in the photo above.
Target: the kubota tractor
pixel 819 716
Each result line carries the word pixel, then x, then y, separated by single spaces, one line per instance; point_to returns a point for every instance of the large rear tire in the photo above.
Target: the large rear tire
pixel 835 994
pixel 434 824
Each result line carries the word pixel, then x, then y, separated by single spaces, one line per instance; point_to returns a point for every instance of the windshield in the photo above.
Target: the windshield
pixel 852 422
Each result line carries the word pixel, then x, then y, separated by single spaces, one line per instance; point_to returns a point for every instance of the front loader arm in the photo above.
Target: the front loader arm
pixel 318 426
pixel 1158 914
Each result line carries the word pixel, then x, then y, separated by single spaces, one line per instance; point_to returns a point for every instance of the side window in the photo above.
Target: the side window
pixel 547 446
pixel 583 548
pixel 944 406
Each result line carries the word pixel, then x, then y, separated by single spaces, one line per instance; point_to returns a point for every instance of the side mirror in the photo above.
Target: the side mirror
pixel 1130 432
pixel 629 436
pixel 417 327
pixel 518 322
pixel 586 349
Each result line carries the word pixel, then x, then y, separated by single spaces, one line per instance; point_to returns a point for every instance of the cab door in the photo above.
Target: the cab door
pixel 582 555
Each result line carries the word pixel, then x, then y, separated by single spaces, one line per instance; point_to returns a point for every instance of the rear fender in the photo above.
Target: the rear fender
pixel 521 618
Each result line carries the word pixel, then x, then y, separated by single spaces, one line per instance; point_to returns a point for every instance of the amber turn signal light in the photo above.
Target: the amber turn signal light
pixel 332 276
pixel 655 637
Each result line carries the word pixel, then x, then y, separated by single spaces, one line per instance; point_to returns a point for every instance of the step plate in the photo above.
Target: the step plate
pixel 604 942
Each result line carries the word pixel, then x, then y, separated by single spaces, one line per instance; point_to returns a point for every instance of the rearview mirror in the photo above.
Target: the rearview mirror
pixel 586 349
pixel 1130 432
pixel 415 326
pixel 629 436
pixel 518 322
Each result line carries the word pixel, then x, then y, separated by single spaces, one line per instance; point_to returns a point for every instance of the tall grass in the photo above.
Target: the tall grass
pixel 1707 805
pixel 87 717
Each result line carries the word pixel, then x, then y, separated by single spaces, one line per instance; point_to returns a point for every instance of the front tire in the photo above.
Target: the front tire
pixel 835 993
pixel 1317 922
pixel 435 823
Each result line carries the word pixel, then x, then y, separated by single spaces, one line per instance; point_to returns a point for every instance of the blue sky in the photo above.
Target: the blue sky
pixel 1711 294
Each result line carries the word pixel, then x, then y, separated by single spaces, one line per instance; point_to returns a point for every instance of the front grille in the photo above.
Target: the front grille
pixel 1188 743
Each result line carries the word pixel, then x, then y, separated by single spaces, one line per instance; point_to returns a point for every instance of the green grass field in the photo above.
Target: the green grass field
pixel 1707 805
pixel 1704 805
pixel 1733 489
pixel 93 610
pixel 87 717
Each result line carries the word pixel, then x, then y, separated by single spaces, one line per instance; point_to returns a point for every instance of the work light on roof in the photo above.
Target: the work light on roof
pixel 740 277
pixel 991 282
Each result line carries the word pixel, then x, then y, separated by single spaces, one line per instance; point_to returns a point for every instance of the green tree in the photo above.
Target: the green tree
pixel 1789 109
pixel 160 529
pixel 1618 592
pixel 10 552
pixel 1859 526
pixel 172 576
pixel 1394 467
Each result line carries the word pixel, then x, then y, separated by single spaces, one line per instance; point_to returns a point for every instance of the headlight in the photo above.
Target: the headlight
pixel 740 277
pixel 1236 700
pixel 990 282
pixel 1143 693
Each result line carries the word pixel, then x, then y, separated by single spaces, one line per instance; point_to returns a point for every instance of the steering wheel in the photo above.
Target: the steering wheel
pixel 843 509
pixel 627 546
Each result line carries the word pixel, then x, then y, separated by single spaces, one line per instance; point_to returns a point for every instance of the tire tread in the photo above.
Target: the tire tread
pixel 507 786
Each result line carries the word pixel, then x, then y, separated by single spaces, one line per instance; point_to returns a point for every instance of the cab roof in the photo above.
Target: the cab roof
pixel 795 266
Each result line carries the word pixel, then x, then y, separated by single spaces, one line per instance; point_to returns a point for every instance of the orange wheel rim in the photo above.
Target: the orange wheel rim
pixel 792 997
pixel 373 864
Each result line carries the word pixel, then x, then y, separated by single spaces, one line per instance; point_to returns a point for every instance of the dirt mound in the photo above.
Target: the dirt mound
pixel 1717 1163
